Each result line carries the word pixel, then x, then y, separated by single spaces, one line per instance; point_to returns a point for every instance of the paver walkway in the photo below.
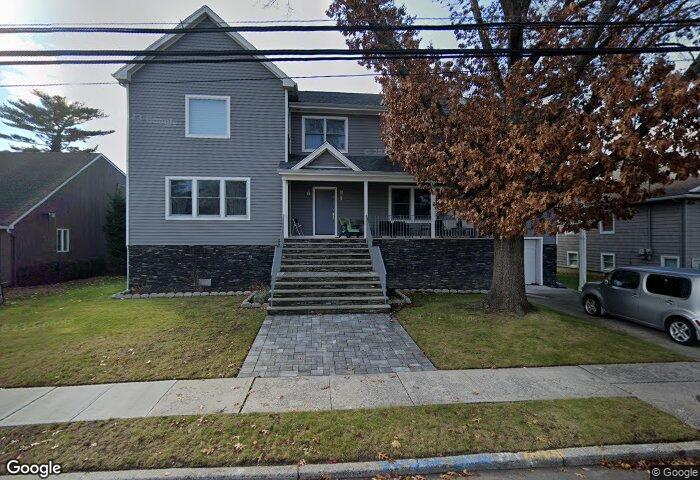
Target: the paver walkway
pixel 673 387
pixel 293 345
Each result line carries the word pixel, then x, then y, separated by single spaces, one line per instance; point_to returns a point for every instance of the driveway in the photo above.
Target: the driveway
pixel 567 301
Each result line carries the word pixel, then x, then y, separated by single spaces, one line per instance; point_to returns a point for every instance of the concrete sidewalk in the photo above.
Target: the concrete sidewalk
pixel 673 387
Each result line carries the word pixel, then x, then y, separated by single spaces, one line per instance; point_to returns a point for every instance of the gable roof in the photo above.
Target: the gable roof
pixel 123 75
pixel 366 163
pixel 28 178
pixel 326 147
pixel 313 97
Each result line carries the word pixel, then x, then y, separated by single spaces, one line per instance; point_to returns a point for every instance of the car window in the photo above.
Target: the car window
pixel 678 287
pixel 625 279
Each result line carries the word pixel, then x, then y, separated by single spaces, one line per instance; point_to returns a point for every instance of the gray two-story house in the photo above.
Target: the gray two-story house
pixel 665 231
pixel 227 161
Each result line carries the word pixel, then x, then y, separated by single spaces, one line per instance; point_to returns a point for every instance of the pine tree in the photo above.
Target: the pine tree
pixel 115 231
pixel 52 124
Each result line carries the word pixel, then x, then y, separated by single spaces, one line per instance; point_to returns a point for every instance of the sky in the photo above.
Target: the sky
pixel 111 99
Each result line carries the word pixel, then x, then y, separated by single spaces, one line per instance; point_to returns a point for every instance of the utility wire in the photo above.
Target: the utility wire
pixel 253 56
pixel 666 48
pixel 359 28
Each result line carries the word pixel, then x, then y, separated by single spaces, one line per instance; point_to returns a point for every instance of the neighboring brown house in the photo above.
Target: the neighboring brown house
pixel 52 211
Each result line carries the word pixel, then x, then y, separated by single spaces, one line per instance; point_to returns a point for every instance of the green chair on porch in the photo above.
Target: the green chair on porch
pixel 347 228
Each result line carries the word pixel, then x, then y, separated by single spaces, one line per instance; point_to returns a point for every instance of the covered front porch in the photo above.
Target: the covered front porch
pixel 386 208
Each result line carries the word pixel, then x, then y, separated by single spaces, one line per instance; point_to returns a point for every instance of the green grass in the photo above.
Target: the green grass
pixel 455 333
pixel 569 277
pixel 341 436
pixel 76 334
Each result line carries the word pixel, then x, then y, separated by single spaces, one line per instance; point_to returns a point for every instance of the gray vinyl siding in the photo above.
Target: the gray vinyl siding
pixel 692 233
pixel 326 160
pixel 158 147
pixel 656 226
pixel 363 133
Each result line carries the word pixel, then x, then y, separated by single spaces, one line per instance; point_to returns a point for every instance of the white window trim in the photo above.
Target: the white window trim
pixel 695 261
pixel 63 248
pixel 412 201
pixel 602 264
pixel 606 232
pixel 669 257
pixel 207 97
pixel 568 262
pixel 324 118
pixel 222 199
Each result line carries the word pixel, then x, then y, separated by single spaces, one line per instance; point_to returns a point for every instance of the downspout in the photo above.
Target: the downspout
pixel 13 257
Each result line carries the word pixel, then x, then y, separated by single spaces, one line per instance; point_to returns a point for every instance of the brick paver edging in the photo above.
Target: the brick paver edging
pixel 565 457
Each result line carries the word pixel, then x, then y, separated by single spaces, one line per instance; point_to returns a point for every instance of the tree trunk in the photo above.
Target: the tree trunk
pixel 507 291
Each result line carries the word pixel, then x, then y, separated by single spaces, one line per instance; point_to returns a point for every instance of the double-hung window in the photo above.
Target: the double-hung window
pixel 62 240
pixel 607 261
pixel 409 203
pixel 572 259
pixel 670 261
pixel 316 130
pixel 202 198
pixel 207 116
pixel 607 226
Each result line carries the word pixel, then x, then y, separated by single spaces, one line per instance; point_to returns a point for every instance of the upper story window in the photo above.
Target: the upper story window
pixel 207 116
pixel 208 198
pixel 316 130
pixel 607 226
pixel 62 240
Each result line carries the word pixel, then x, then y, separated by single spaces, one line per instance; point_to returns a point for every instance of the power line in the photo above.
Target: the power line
pixel 357 28
pixel 252 56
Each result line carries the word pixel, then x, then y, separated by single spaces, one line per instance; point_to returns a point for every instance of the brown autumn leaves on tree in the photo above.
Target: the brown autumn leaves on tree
pixel 539 144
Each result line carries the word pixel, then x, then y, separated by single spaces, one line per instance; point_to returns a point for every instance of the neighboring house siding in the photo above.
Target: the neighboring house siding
pixel 363 133
pixel 692 233
pixel 158 147
pixel 5 258
pixel 656 226
pixel 81 207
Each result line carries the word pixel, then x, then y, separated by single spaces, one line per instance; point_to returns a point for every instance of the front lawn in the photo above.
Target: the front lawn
pixel 341 435
pixel 569 277
pixel 76 334
pixel 455 333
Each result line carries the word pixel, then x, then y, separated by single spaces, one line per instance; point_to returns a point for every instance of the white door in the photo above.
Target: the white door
pixel 532 261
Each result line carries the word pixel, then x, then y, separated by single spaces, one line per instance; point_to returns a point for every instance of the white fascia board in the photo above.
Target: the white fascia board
pixel 124 73
pixel 350 176
pixel 325 108
pixel 82 169
pixel 326 147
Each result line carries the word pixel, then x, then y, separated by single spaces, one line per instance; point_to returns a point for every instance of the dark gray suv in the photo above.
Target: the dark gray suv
pixel 663 298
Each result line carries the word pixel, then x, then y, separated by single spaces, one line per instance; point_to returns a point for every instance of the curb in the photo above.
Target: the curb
pixel 565 457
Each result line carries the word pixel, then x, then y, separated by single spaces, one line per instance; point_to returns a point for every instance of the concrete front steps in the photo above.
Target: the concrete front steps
pixel 327 276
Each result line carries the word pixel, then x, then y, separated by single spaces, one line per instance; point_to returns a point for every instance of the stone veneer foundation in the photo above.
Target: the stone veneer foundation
pixel 188 268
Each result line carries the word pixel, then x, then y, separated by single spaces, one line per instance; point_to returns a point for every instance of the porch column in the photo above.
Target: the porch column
pixel 285 206
pixel 582 258
pixel 366 188
pixel 432 215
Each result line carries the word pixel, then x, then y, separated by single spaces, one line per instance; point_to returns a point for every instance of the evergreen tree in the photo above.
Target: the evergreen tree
pixel 115 230
pixel 52 124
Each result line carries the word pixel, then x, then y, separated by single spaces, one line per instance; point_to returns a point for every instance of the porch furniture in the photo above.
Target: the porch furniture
pixel 297 228
pixel 348 229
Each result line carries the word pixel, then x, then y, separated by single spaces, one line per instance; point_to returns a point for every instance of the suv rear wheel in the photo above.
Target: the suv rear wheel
pixel 592 306
pixel 681 331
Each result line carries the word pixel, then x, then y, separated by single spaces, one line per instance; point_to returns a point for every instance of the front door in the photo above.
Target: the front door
pixel 324 211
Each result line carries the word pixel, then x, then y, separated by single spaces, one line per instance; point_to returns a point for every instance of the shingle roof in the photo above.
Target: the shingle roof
pixel 366 163
pixel 681 187
pixel 28 177
pixel 339 98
